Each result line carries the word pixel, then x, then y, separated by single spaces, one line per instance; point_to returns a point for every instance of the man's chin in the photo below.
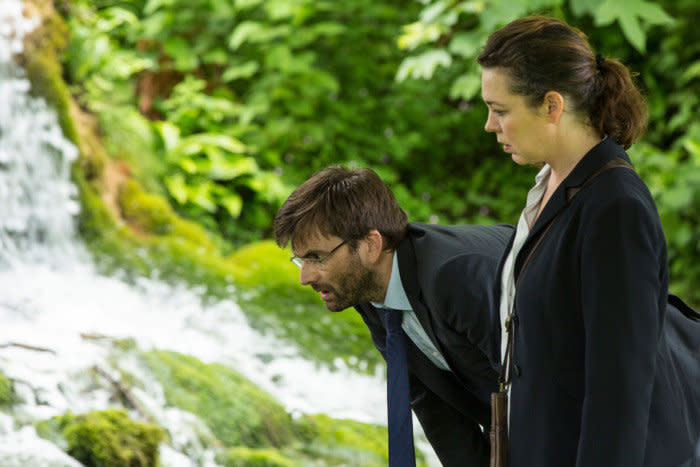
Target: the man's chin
pixel 335 306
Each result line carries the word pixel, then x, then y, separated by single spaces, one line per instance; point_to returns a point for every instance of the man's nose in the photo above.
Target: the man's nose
pixel 307 274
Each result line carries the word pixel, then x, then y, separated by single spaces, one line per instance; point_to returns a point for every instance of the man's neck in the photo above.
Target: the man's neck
pixel 384 274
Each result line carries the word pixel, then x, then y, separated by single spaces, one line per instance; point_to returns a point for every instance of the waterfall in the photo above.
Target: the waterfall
pixel 51 296
pixel 37 200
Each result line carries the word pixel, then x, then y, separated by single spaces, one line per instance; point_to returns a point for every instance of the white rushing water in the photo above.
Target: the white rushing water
pixel 52 297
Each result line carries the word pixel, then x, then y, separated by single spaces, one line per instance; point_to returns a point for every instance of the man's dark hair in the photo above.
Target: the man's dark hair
pixel 344 203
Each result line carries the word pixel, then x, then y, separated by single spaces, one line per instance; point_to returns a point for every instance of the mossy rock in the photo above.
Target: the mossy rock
pixel 343 442
pixel 246 457
pixel 236 411
pixel 107 438
pixel 8 396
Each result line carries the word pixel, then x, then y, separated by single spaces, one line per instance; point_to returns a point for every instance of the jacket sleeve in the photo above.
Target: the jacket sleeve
pixel 456 439
pixel 623 291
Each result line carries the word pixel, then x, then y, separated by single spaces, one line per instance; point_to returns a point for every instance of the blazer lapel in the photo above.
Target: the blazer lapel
pixel 598 156
pixel 409 279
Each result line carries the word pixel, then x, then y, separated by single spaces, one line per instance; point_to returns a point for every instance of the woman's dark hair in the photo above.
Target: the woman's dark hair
pixel 341 202
pixel 543 54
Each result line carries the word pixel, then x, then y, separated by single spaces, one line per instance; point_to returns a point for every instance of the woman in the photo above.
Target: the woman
pixel 593 382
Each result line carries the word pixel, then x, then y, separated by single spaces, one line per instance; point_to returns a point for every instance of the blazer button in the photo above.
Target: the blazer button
pixel 516 369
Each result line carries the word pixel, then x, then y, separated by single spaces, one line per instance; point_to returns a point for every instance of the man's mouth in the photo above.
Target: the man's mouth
pixel 323 291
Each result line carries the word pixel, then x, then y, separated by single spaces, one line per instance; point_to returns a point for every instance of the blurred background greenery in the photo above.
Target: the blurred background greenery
pixel 223 106
pixel 194 119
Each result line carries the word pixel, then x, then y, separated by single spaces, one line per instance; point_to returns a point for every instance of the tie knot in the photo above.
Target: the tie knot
pixel 393 319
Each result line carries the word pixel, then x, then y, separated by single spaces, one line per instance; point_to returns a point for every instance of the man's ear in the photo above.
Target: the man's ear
pixel 374 245
pixel 553 106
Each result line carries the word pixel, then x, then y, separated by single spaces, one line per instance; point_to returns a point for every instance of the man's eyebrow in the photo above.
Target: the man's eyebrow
pixel 308 253
pixel 492 103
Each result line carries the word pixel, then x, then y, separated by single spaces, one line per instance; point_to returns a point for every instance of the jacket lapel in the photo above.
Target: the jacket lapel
pixel 409 279
pixel 598 156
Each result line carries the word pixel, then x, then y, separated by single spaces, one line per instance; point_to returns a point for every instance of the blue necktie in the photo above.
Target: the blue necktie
pixel 401 452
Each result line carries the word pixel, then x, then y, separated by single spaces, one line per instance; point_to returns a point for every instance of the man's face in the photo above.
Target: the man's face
pixel 342 279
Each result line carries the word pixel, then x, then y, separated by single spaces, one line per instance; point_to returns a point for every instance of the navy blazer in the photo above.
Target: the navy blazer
pixel 603 374
pixel 448 273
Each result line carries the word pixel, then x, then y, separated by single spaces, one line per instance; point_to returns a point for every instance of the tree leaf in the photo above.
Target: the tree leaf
pixel 252 31
pixel 177 48
pixel 228 170
pixel 467 44
pixel 633 32
pixel 466 86
pixel 424 65
pixel 169 134
pixel 195 144
pixel 245 70
pixel 691 73
pixel 233 203
pixel 582 7
pixel 628 14
pixel 177 188
pixel 202 196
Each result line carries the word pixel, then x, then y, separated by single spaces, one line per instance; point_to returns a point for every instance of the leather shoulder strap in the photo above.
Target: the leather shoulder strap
pixel 617 162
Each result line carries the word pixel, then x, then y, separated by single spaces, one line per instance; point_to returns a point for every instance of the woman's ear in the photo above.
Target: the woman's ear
pixel 553 106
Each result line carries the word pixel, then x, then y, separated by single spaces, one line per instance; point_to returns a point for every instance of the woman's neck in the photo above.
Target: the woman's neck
pixel 568 151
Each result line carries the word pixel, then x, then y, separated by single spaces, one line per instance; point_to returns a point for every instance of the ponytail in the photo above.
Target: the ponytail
pixel 619 110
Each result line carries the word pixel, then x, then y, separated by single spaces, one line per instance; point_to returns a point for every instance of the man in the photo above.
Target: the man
pixel 356 248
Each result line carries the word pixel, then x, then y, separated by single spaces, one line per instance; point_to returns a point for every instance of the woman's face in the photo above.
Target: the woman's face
pixel 521 129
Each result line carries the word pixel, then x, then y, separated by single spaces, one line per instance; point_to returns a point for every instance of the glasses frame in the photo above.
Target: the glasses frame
pixel 317 262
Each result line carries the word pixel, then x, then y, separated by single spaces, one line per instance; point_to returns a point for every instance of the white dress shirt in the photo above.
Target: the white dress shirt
pixel 396 299
pixel 525 223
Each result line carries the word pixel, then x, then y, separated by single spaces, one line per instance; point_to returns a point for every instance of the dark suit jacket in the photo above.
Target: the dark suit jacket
pixel 448 274
pixel 603 377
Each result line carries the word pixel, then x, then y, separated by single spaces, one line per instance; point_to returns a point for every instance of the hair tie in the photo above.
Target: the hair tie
pixel 599 61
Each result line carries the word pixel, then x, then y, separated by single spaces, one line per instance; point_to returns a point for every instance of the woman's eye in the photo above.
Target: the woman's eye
pixel 500 113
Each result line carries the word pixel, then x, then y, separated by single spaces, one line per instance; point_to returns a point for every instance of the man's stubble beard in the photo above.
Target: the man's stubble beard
pixel 360 285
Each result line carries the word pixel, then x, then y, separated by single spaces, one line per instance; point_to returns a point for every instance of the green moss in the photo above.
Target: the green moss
pixel 152 214
pixel 246 457
pixel 40 60
pixel 235 410
pixel 105 438
pixel 343 442
pixel 8 396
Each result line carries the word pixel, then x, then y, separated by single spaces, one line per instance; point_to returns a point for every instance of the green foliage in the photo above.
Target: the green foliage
pixel 347 442
pixel 105 438
pixel 246 457
pixel 460 28
pixel 8 396
pixel 245 99
pixel 236 411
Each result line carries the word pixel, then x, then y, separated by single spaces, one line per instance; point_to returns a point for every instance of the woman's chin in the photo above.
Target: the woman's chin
pixel 519 160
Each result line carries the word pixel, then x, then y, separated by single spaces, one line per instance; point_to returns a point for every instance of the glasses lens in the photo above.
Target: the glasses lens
pixel 297 261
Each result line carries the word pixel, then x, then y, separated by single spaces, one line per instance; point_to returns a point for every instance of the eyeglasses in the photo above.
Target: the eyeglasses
pixel 314 260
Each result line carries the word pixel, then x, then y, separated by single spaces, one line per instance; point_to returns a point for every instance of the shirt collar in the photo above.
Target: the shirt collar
pixel 542 174
pixel 395 294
